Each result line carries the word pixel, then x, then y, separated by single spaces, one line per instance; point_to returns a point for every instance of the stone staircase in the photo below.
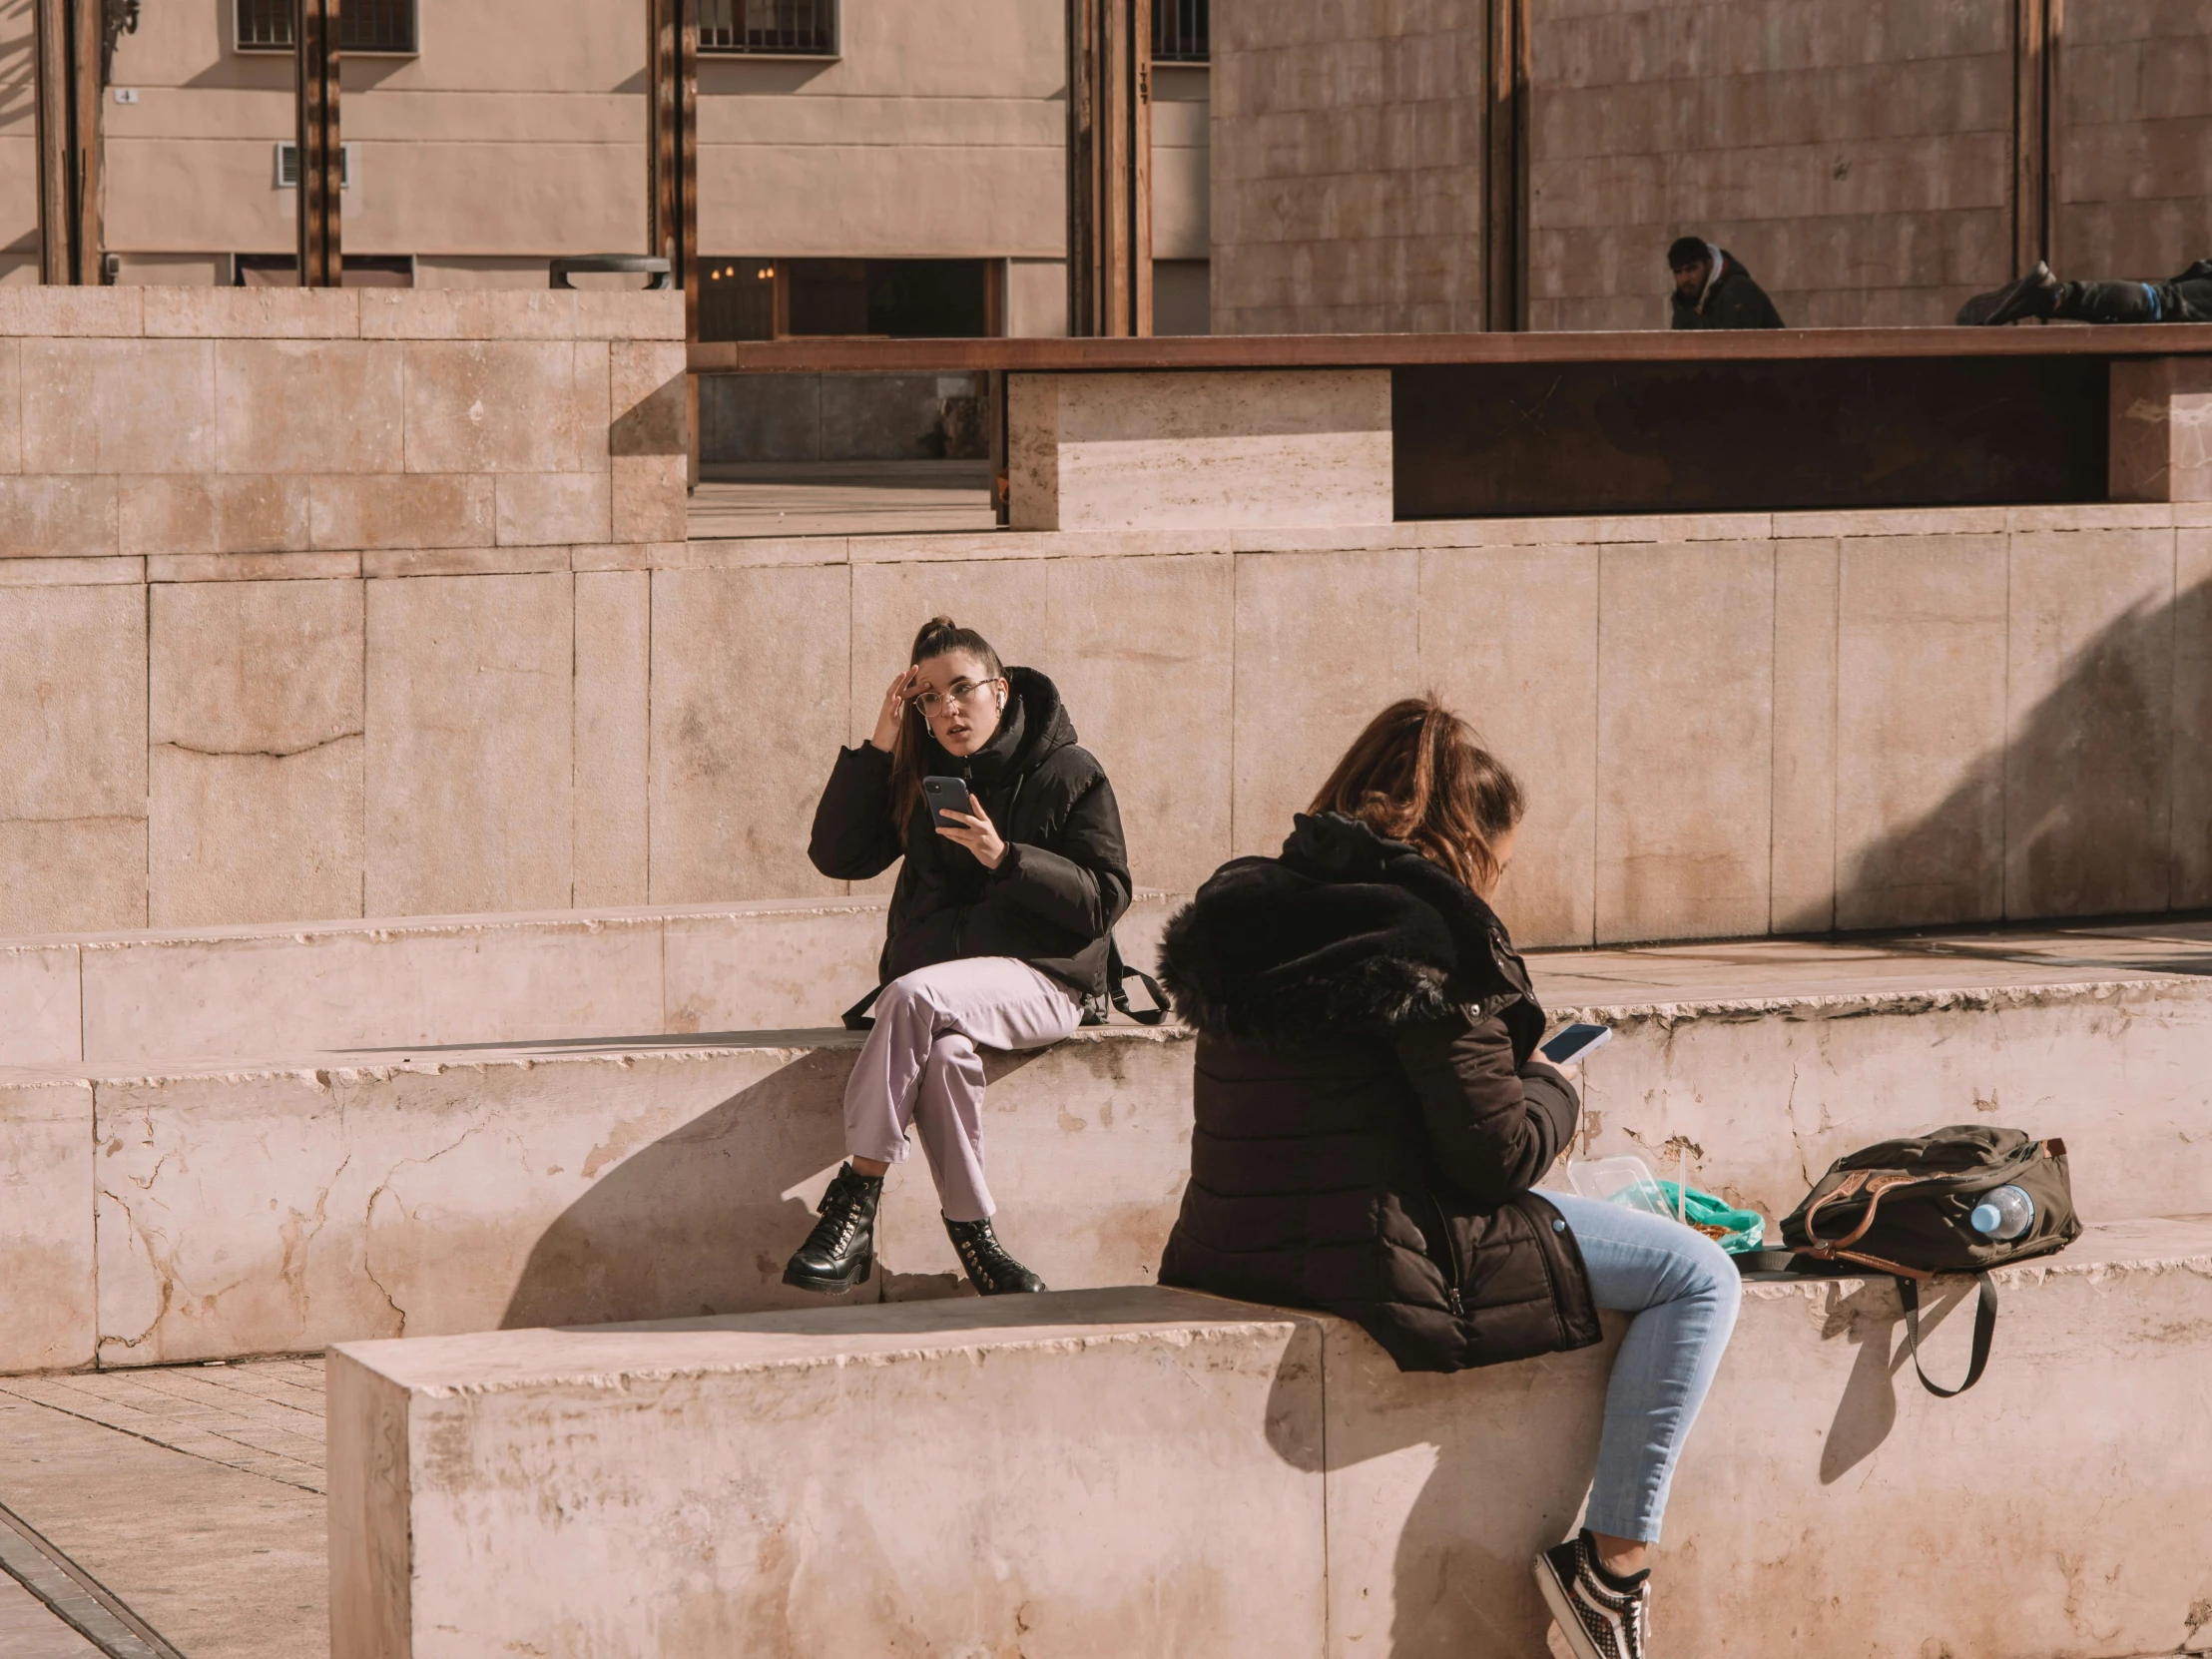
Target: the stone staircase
pixel 1147 1472
pixel 248 993
pixel 490 1173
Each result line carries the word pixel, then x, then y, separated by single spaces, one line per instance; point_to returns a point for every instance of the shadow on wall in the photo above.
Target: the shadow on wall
pixel 701 1221
pixel 698 1222
pixel 1511 1450
pixel 2097 802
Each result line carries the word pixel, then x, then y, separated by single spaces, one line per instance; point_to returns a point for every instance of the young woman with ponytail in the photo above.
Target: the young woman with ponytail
pixel 1001 926
pixel 1373 1116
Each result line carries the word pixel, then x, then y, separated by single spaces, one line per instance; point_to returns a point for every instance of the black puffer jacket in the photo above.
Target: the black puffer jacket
pixel 1730 300
pixel 1054 898
pixel 1369 1118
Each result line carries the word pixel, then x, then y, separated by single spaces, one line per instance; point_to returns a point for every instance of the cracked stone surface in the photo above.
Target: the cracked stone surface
pixel 273 1209
pixel 810 1484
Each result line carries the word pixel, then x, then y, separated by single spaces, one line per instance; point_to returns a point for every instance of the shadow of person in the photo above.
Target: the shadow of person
pixel 1442 1490
pixel 699 1220
pixel 702 1220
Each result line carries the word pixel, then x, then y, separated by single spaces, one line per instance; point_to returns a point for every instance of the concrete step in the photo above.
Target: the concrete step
pixel 1175 1474
pixel 215 1210
pixel 224 993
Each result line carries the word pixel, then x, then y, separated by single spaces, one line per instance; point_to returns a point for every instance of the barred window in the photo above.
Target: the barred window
pixel 363 26
pixel 1179 31
pixel 789 28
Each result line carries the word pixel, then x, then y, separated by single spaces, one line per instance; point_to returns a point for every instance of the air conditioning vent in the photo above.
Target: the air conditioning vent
pixel 288 166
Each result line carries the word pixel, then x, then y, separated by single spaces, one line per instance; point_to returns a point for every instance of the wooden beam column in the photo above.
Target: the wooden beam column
pixel 1505 184
pixel 1109 167
pixel 672 156
pixel 314 46
pixel 69 37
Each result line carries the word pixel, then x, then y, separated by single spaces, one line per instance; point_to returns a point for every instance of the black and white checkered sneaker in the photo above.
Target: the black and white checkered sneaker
pixel 1599 1620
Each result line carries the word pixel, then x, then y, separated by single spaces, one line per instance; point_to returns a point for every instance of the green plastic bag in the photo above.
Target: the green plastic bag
pixel 1735 1231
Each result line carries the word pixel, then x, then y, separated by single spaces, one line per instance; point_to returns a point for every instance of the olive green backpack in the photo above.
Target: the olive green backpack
pixel 1902 1207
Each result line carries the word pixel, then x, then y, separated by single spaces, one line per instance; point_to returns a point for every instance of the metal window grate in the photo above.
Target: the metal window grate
pixel 1179 31
pixel 793 28
pixel 363 26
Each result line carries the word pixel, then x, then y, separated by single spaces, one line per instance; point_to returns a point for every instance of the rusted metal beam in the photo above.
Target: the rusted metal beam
pixel 1109 168
pixel 1505 182
pixel 70 44
pixel 672 156
pixel 321 152
pixel 2036 26
pixel 830 356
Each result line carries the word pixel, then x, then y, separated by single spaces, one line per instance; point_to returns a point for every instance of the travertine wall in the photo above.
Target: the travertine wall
pixel 311 606
pixel 317 602
pixel 1729 725
pixel 1857 154
pixel 2134 186
pixel 1346 165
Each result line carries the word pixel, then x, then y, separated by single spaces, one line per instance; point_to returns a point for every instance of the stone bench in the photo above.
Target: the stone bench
pixel 208 1212
pixel 244 994
pixel 1145 1471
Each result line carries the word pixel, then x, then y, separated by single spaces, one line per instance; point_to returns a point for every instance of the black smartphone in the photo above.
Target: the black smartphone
pixel 946 795
pixel 1576 1041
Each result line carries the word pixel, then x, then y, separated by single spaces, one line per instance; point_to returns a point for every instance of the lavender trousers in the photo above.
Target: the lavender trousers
pixel 919 1066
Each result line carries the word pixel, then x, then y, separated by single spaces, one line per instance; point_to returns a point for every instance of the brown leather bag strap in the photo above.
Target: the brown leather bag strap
pixel 1845 1188
pixel 1920 1275
pixel 1874 1182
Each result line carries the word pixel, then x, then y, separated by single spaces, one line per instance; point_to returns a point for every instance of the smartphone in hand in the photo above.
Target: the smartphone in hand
pixel 946 795
pixel 1575 1041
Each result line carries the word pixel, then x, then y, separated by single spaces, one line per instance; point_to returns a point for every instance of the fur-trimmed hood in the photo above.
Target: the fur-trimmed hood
pixel 1346 933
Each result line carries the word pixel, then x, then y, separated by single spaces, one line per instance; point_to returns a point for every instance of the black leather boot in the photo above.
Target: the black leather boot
pixel 2034 295
pixel 840 1252
pixel 989 1269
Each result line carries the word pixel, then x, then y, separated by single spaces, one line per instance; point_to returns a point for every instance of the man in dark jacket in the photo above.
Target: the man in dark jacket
pixel 1712 289
pixel 2041 295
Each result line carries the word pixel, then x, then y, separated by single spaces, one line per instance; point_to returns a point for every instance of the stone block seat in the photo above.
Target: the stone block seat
pixel 165 1212
pixel 1143 1471
pixel 167 996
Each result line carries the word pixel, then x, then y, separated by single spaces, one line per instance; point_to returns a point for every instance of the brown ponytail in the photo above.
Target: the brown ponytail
pixel 910 754
pixel 1418 776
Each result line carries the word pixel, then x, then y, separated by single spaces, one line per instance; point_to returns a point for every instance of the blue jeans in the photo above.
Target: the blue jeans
pixel 1682 1290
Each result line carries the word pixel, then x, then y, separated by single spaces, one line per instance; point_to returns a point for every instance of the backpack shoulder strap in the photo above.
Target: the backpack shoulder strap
pixel 858 1018
pixel 1118 976
pixel 1985 1329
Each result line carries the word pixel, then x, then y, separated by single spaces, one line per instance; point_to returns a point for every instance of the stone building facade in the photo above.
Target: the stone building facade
pixel 912 144
pixel 1872 162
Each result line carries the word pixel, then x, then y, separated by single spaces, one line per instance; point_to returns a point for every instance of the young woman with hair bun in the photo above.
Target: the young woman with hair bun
pixel 1373 1117
pixel 1000 929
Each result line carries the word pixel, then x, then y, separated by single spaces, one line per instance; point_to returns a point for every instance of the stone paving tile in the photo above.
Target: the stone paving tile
pixel 224 1559
pixel 262 1417
pixel 29 1629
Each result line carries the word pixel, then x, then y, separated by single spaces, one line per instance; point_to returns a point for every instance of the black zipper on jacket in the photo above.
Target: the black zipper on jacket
pixel 1452 1255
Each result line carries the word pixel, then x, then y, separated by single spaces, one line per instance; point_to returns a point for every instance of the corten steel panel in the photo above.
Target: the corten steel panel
pixel 1510 439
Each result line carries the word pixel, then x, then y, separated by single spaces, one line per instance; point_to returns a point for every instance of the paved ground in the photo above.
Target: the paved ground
pixel 195 1493
pixel 1750 969
pixel 840 498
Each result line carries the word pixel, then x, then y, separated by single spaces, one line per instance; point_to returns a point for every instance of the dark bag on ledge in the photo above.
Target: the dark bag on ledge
pixel 1904 1207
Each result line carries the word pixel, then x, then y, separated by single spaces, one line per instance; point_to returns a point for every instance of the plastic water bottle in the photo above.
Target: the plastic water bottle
pixel 2004 1214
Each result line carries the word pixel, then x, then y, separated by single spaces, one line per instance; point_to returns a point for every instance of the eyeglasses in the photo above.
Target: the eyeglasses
pixel 932 704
